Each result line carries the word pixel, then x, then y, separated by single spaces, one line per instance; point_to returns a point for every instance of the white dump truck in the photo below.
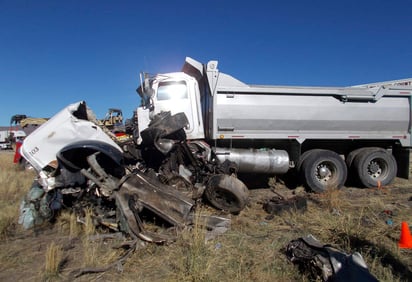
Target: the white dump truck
pixel 323 135
pixel 198 130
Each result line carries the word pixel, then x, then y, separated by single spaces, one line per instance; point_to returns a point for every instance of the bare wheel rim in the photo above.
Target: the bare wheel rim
pixel 377 168
pixel 325 172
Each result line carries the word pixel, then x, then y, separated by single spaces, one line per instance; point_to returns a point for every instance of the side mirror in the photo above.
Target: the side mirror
pixel 145 91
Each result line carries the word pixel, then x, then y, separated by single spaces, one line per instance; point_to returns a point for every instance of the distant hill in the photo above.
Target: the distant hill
pixel 14 127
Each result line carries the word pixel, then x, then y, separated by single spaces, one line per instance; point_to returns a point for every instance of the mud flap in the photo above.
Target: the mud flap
pixel 402 157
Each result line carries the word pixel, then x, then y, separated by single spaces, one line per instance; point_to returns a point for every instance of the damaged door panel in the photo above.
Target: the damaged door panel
pixel 168 203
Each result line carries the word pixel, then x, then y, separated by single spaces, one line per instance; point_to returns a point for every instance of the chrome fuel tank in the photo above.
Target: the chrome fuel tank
pixel 256 160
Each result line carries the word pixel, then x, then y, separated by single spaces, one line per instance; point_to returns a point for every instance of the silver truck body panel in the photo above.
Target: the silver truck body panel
pixel 285 116
pixel 370 111
pixel 255 160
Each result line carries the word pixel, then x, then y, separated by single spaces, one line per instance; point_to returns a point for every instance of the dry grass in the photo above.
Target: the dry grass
pixel 193 260
pixel 14 185
pixel 252 250
pixel 67 223
pixel 90 248
pixel 332 199
pixel 53 261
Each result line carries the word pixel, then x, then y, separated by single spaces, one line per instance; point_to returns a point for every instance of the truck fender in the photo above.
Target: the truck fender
pixel 74 156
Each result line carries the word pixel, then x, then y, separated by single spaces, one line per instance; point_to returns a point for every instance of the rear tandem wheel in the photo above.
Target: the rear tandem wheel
pixel 322 170
pixel 375 167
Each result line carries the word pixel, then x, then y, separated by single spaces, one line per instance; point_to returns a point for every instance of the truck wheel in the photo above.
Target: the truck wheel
pixel 352 173
pixel 227 193
pixel 304 156
pixel 323 170
pixel 352 155
pixel 375 167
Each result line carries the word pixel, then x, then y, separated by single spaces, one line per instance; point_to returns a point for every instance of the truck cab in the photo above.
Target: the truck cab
pixel 175 92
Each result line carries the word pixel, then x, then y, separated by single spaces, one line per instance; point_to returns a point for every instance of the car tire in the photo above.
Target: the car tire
pixel 227 193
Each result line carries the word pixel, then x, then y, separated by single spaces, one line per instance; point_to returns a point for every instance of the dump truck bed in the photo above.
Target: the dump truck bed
pixel 246 111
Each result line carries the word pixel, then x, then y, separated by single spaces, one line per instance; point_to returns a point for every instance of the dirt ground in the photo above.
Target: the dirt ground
pixel 23 251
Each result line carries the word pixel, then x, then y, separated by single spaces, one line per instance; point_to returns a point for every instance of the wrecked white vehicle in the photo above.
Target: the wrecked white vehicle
pixel 81 165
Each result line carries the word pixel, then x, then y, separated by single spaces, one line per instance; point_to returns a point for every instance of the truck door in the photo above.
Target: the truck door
pixel 173 96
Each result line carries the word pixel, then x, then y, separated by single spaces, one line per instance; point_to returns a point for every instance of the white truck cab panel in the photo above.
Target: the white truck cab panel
pixel 175 92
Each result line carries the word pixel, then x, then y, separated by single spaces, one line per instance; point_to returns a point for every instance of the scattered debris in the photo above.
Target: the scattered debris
pixel 387 216
pixel 280 204
pixel 81 165
pixel 326 262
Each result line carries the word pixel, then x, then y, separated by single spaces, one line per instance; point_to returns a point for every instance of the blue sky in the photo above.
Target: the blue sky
pixel 54 53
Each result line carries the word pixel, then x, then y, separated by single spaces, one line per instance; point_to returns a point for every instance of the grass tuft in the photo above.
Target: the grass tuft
pixel 14 184
pixel 52 262
pixel 193 255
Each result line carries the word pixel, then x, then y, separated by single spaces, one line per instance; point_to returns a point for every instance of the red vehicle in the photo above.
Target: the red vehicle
pixel 28 125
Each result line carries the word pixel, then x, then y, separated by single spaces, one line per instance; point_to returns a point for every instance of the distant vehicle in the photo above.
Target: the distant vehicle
pixel 20 127
pixel 5 142
pixel 113 120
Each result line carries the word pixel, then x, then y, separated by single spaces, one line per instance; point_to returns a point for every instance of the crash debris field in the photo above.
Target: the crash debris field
pixel 249 246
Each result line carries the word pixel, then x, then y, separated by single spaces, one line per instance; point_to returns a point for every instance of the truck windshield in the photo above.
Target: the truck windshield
pixel 171 90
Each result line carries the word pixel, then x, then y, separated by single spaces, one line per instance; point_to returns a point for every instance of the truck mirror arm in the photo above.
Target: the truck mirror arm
pixel 145 92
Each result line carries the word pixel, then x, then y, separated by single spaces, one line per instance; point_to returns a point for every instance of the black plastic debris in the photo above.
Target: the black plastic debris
pixel 278 205
pixel 326 263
